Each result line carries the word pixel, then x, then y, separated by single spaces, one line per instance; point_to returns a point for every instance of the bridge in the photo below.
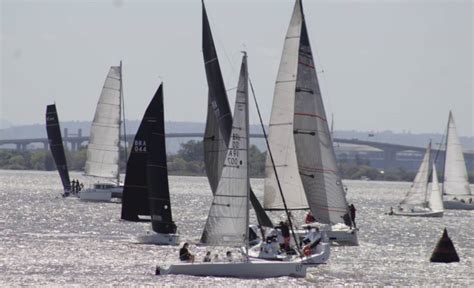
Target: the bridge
pixel 387 154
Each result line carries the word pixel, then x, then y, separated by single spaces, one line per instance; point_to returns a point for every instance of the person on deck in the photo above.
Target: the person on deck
pixel 352 209
pixel 184 254
pixel 207 258
pixel 228 256
pixel 309 218
pixel 285 233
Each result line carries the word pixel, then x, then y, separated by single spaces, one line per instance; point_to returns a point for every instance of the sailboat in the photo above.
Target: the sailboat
pixel 416 201
pixel 219 120
pixel 164 229
pixel 56 145
pixel 458 194
pixel 228 219
pixel 135 201
pixel 301 141
pixel 104 142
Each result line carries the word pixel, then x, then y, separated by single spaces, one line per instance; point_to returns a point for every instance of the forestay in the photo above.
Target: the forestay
pixel 455 173
pixel 227 221
pixel 280 136
pixel 314 148
pixel 103 148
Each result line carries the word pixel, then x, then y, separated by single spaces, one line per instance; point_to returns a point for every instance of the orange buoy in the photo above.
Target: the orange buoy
pixel 444 251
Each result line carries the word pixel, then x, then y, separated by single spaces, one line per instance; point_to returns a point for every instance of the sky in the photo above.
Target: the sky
pixel 382 65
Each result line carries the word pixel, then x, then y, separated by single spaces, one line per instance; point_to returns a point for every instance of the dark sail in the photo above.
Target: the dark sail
pixel 135 190
pixel 157 173
pixel 219 119
pixel 444 251
pixel 56 145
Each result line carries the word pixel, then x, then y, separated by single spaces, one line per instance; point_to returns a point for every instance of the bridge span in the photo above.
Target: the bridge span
pixel 385 153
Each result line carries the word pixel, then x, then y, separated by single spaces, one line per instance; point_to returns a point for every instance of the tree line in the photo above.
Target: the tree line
pixel 189 160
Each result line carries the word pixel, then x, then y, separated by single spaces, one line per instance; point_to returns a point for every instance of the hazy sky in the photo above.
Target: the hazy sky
pixel 398 65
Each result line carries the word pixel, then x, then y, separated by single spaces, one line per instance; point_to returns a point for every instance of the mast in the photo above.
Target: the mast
pixel 124 124
pixel 246 79
pixel 445 153
pixel 429 162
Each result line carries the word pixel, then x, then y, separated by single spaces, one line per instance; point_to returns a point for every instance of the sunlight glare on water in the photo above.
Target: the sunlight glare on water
pixel 48 240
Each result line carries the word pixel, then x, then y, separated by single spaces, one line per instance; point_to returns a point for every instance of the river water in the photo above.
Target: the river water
pixel 48 240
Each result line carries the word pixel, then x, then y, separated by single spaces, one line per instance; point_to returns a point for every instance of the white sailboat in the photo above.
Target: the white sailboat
pixel 458 194
pixel 228 220
pixel 416 202
pixel 301 141
pixel 104 141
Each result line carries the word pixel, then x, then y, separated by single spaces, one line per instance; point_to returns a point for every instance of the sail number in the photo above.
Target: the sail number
pixel 139 146
pixel 233 156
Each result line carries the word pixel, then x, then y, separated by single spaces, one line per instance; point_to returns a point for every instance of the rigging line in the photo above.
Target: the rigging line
pixel 274 169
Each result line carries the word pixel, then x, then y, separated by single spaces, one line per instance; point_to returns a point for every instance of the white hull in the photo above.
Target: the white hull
pixel 458 205
pixel 159 239
pixel 420 214
pixel 249 269
pixel 101 194
pixel 319 254
pixel 336 234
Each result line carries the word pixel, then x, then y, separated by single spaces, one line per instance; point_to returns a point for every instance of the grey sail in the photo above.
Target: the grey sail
pixel 103 149
pixel 313 142
pixel 455 174
pixel 219 120
pixel 227 221
pixel 219 116
pixel 417 195
pixel 280 137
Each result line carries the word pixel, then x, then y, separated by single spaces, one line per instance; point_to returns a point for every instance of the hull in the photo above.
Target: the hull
pixel 419 214
pixel 338 234
pixel 159 239
pixel 458 205
pixel 249 269
pixel 319 255
pixel 101 193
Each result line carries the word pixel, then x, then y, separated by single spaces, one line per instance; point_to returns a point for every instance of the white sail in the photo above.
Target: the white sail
pixel 227 221
pixel 280 136
pixel 103 149
pixel 455 173
pixel 436 198
pixel 314 148
pixel 417 195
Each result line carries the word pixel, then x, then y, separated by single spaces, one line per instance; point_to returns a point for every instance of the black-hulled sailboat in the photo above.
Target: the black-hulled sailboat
pixel 135 191
pixel 219 120
pixel 164 229
pixel 56 145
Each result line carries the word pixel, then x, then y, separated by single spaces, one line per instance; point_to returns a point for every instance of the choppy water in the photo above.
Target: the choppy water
pixel 47 240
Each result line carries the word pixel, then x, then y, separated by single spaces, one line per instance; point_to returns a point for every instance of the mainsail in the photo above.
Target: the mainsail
pixel 219 119
pixel 313 142
pixel 436 198
pixel 300 136
pixel 135 190
pixel 157 173
pixel 455 174
pixel 228 216
pixel 56 145
pixel 104 142
pixel 417 195
pixel 280 136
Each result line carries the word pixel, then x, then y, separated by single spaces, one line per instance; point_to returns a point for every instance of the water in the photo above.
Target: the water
pixel 47 240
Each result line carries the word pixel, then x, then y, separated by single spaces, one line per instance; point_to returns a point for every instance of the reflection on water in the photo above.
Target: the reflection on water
pixel 48 240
